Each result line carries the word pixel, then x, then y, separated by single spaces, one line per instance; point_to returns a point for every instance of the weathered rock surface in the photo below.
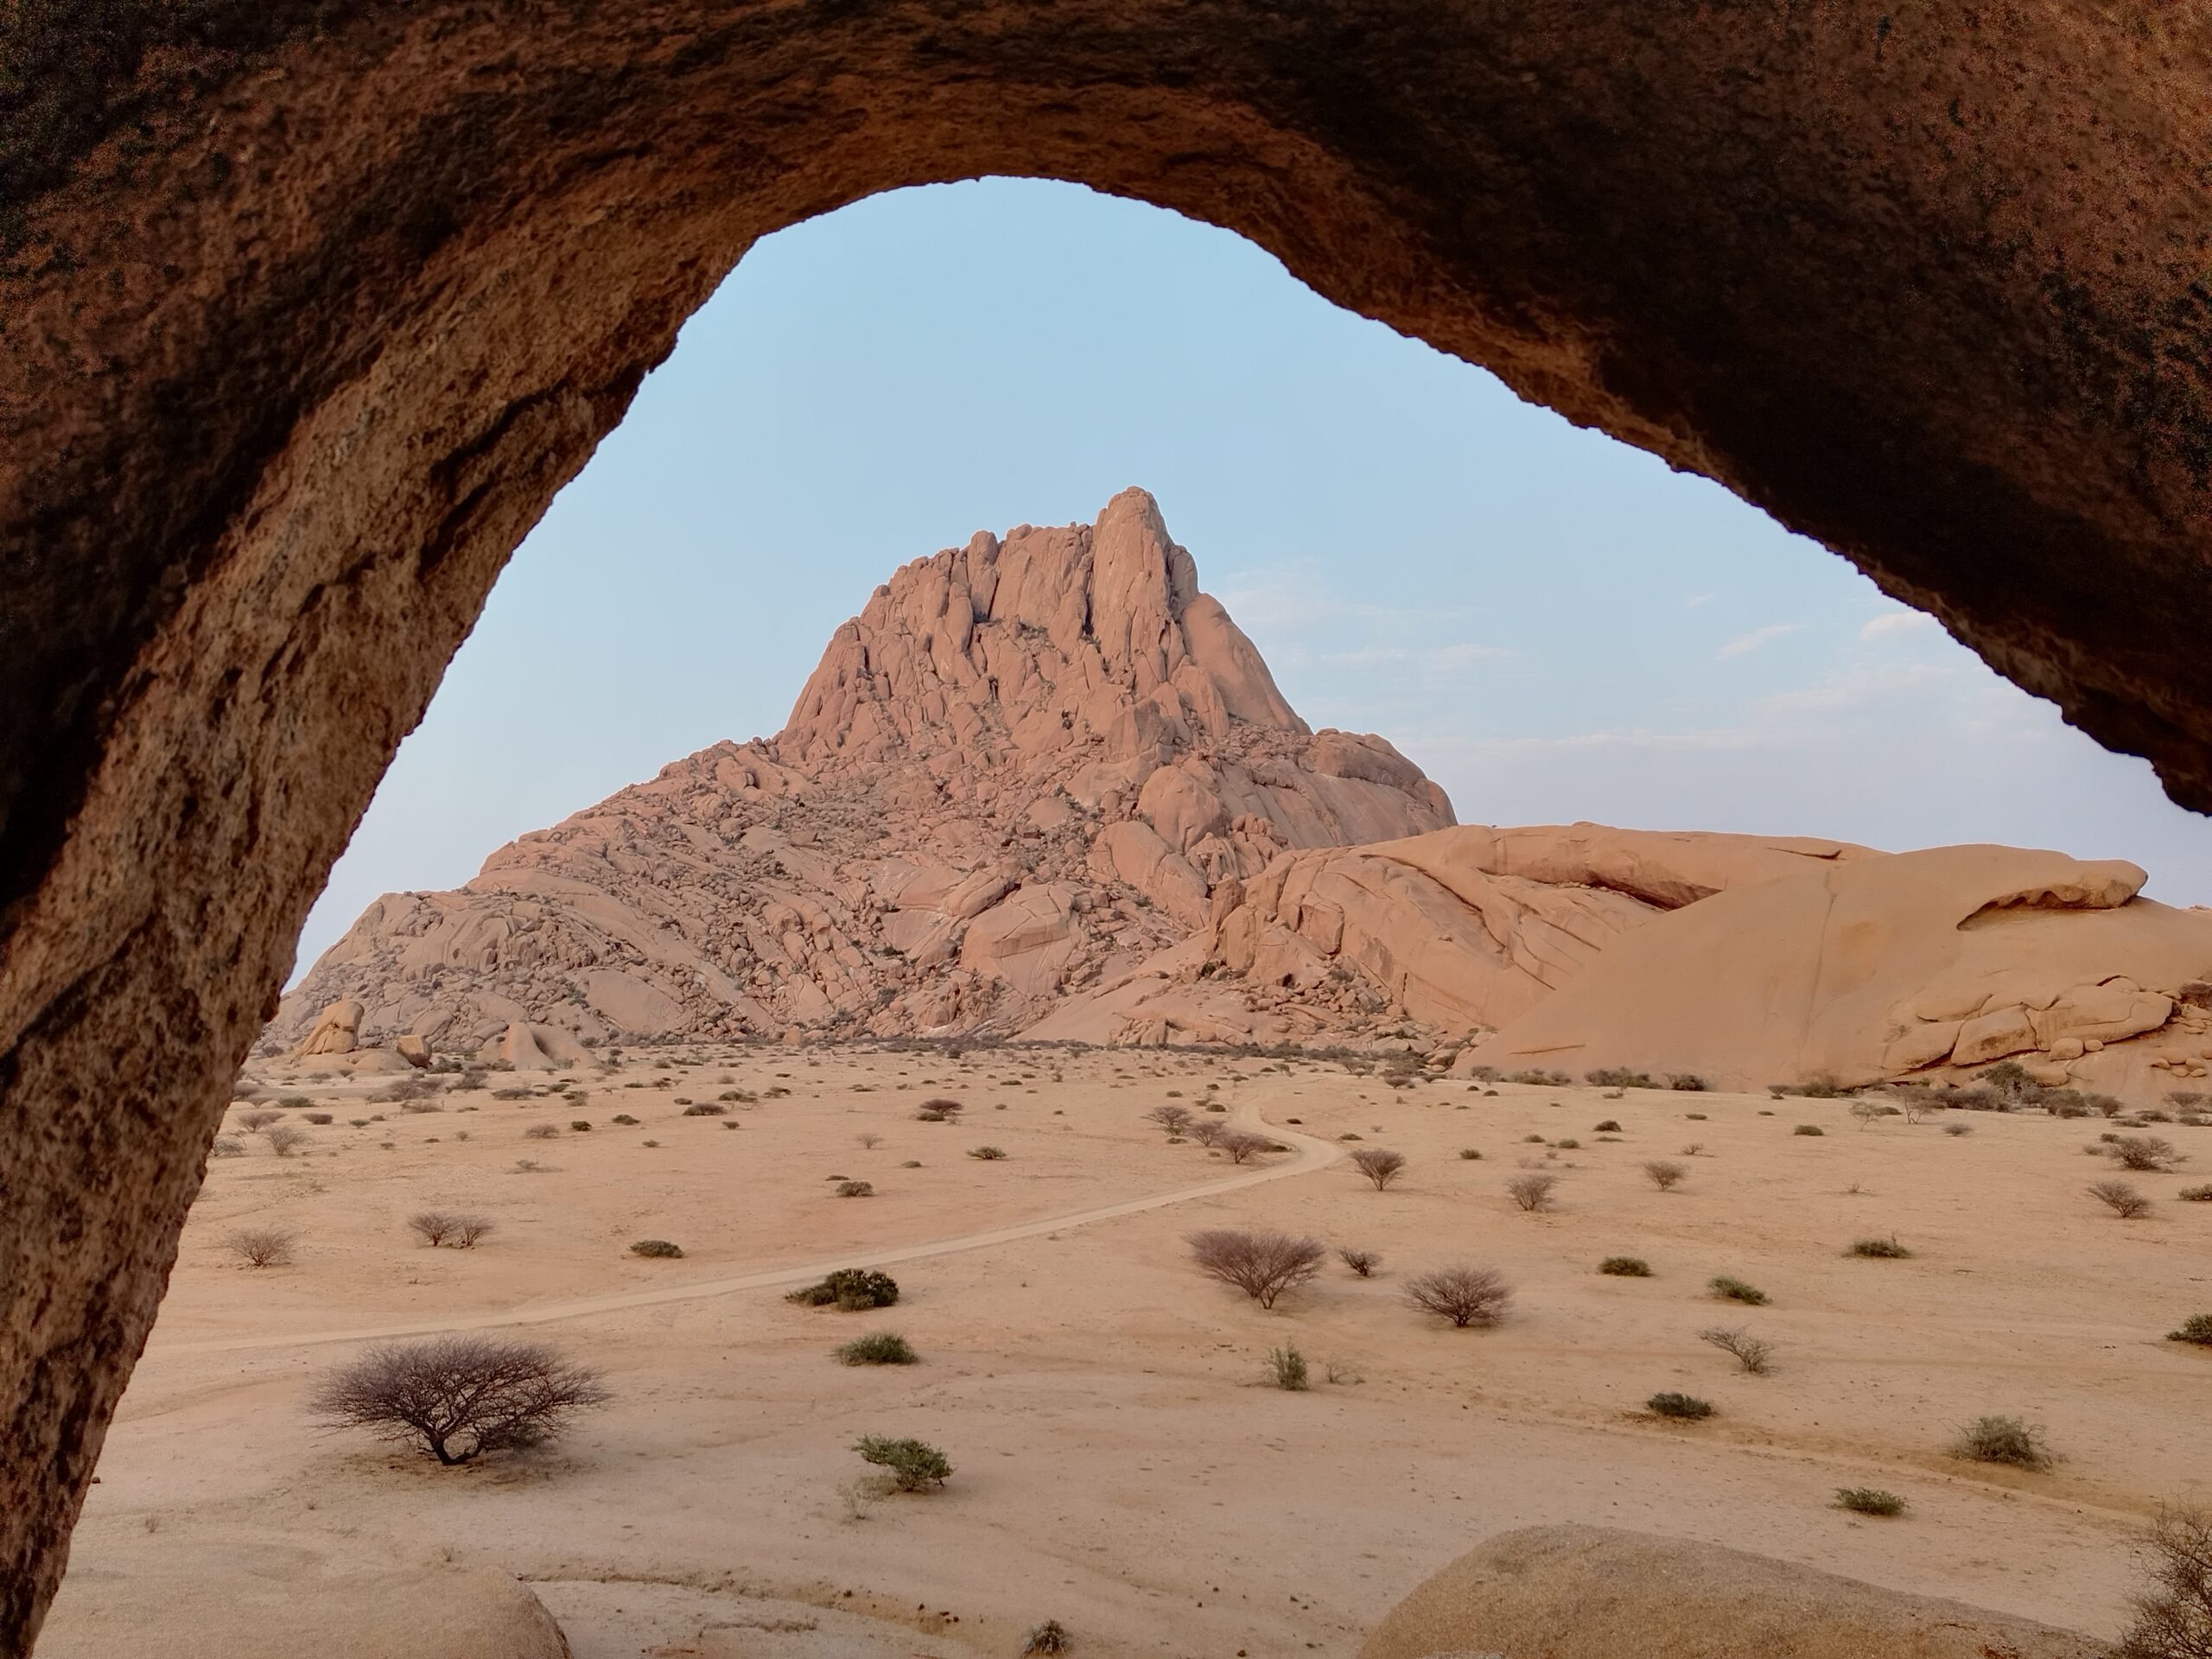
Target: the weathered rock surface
pixel 230 1595
pixel 1027 765
pixel 1593 1592
pixel 1928 964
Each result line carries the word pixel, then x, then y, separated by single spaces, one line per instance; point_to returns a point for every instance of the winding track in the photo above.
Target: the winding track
pixel 1312 1155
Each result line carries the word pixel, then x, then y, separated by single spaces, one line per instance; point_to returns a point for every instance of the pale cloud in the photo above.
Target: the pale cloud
pixel 1892 625
pixel 1758 637
pixel 1696 600
pixel 1859 686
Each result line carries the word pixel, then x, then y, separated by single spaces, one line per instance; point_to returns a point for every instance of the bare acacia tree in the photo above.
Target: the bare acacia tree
pixel 458 1396
pixel 1533 1191
pixel 1242 1145
pixel 1379 1166
pixel 2120 1199
pixel 436 1227
pixel 263 1246
pixel 1206 1132
pixel 1261 1265
pixel 1176 1120
pixel 1754 1354
pixel 2173 1612
pixel 1664 1174
pixel 1463 1295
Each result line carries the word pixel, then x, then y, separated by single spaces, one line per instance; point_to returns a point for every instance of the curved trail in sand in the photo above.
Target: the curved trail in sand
pixel 1312 1154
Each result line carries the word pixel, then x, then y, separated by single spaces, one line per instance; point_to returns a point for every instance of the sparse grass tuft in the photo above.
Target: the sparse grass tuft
pixel 878 1348
pixel 1735 1290
pixel 1887 1249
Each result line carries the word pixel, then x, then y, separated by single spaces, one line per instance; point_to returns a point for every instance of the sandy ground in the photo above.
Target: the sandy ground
pixel 1120 1464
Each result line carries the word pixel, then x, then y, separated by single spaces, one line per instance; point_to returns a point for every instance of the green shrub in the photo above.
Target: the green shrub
pixel 658 1248
pixel 1625 1267
pixel 1286 1369
pixel 1887 1247
pixel 1687 1407
pixel 914 1465
pixel 2002 1440
pixel 2196 1328
pixel 1735 1290
pixel 1868 1500
pixel 878 1348
pixel 850 1289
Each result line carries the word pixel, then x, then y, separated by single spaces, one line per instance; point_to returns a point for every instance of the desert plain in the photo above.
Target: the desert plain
pixel 1122 1460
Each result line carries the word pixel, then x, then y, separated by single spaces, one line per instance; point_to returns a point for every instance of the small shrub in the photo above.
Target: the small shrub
pixel 1609 1127
pixel 2002 1439
pixel 263 1246
pixel 705 1109
pixel 1754 1354
pixel 1687 1082
pixel 1048 1637
pixel 1808 1128
pixel 1532 1191
pixel 320 1118
pixel 878 1348
pixel 1618 1077
pixel 2120 1199
pixel 1868 1500
pixel 626 1120
pixel 295 1102
pixel 2197 1194
pixel 1261 1265
pixel 852 1289
pixel 1465 1296
pixel 1687 1407
pixel 658 1249
pixel 1887 1249
pixel 1567 1143
pixel 1378 1165
pixel 1625 1267
pixel 1957 1129
pixel 856 1189
pixel 989 1154
pixel 582 1125
pixel 915 1466
pixel 1363 1262
pixel 285 1139
pixel 227 1146
pixel 1470 1154
pixel 2149 1152
pixel 1286 1370
pixel 540 1132
pixel 1735 1290
pixel 1665 1175
pixel 2196 1328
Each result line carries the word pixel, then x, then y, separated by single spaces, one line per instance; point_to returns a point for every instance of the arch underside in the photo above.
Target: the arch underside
pixel 310 307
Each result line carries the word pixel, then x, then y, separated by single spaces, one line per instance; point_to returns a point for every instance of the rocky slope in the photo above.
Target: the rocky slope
pixel 1027 766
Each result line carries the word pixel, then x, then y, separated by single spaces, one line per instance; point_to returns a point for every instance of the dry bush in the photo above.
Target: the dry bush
pixel 436 1227
pixel 2173 1611
pixel 1050 1636
pixel 1206 1132
pixel 458 1396
pixel 226 1146
pixel 870 1142
pixel 658 1249
pixel 1868 1500
pixel 1729 1289
pixel 1286 1370
pixel 1363 1262
pixel 263 1246
pixel 1261 1265
pixel 258 1120
pixel 1754 1354
pixel 2122 1200
pixel 1532 1191
pixel 1663 1174
pixel 541 1132
pixel 285 1139
pixel 2151 1153
pixel 1625 1267
pixel 1242 1145
pixel 2002 1440
pixel 1463 1295
pixel 1176 1120
pixel 1379 1166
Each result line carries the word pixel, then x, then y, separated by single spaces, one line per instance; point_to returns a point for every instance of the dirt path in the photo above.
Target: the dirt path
pixel 1312 1154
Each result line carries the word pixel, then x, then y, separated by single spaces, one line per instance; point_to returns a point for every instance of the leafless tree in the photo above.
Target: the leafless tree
pixel 1533 1190
pixel 2173 1612
pixel 2144 1151
pixel 263 1246
pixel 436 1227
pixel 1261 1265
pixel 1754 1354
pixel 1463 1295
pixel 1868 1111
pixel 1379 1166
pixel 458 1396
pixel 1665 1175
pixel 2123 1200
pixel 1207 1132
pixel 1242 1145
pixel 285 1139
pixel 1363 1262
pixel 870 1142
pixel 1176 1120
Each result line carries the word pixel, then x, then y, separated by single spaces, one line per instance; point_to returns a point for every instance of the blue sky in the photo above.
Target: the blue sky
pixel 1554 625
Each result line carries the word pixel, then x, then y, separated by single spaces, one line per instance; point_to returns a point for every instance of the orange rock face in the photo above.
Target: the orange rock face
pixel 1027 765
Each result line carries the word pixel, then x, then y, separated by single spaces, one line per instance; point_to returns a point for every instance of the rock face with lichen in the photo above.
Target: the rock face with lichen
pixel 1028 764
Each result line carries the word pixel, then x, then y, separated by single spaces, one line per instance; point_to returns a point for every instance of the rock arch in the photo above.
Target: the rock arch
pixel 309 307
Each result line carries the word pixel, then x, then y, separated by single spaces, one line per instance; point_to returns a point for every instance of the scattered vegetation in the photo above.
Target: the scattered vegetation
pixel 1625 1267
pixel 1886 1248
pixel 1618 1077
pixel 1380 1166
pixel 878 1348
pixel 2120 1199
pixel 2002 1440
pixel 1363 1262
pixel 1286 1369
pixel 1868 1500
pixel 1687 1407
pixel 1735 1290
pixel 263 1246
pixel 852 1289
pixel 436 1227
pixel 1663 1174
pixel 459 1396
pixel 1533 1190
pixel 1465 1296
pixel 1261 1265
pixel 658 1249
pixel 1754 1354
pixel 914 1466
